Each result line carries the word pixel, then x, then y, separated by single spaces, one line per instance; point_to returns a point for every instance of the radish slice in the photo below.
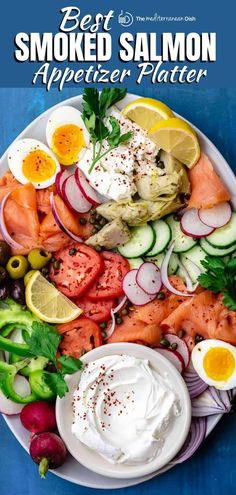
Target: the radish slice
pixel 87 190
pixel 173 356
pixel 192 226
pixel 135 294
pixel 74 197
pixel 22 387
pixel 164 274
pixel 182 348
pixel 217 216
pixel 149 278
pixel 59 222
pixel 60 179
pixel 5 234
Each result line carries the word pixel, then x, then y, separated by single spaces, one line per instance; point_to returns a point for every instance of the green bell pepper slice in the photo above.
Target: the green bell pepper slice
pixel 39 386
pixel 7 376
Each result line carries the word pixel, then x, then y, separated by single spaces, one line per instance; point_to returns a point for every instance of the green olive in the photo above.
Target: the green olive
pixel 5 252
pixel 38 258
pixel 17 267
pixel 28 275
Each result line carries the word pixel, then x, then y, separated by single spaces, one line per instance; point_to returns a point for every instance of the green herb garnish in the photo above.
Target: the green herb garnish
pixel 44 341
pixel 95 105
pixel 220 277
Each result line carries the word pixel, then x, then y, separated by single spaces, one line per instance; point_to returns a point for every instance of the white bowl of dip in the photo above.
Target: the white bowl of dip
pixel 127 413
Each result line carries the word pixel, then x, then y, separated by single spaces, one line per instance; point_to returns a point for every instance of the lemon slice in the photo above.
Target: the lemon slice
pixel 146 112
pixel 177 138
pixel 46 302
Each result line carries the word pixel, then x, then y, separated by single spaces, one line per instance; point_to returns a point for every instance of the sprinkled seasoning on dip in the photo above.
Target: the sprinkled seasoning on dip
pixel 123 409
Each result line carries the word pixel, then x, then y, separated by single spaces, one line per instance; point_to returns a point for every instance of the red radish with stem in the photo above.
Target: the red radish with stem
pixel 38 417
pixel 48 450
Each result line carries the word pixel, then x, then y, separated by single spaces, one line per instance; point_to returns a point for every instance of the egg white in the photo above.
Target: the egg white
pixel 18 152
pixel 66 115
pixel 198 354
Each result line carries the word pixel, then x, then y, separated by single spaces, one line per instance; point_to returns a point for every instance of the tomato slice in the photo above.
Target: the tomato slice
pixel 109 284
pixel 98 311
pixel 79 336
pixel 78 267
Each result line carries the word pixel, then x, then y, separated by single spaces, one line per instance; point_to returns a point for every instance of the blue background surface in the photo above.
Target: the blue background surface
pixel 212 470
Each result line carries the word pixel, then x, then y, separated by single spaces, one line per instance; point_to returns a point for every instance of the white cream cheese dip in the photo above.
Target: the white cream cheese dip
pixel 123 409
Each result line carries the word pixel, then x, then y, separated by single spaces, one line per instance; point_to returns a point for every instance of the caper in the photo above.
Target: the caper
pixel 82 221
pixel 198 338
pixel 97 226
pixel 45 270
pixel 39 258
pixel 94 231
pixel 93 211
pixel 17 267
pixel 103 325
pixel 98 217
pixel 56 265
pixel 92 220
pixel 102 222
pixel 181 333
pixel 124 312
pixel 98 248
pixel 165 342
pixel 5 252
pixel 119 320
pixel 161 296
pixel 174 346
pixel 72 251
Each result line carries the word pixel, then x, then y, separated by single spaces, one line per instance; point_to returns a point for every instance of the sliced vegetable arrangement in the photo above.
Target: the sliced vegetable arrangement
pixel 119 230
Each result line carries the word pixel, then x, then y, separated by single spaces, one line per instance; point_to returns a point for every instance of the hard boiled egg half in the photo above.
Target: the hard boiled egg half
pixel 32 161
pixel 67 135
pixel 215 363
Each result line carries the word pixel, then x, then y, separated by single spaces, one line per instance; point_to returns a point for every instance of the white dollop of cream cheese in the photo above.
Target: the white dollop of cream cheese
pixel 114 175
pixel 123 409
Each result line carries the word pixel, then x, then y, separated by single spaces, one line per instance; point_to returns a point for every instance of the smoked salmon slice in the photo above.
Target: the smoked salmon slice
pixel 21 217
pixel 207 188
pixel 142 324
pixel 205 315
pixel 8 183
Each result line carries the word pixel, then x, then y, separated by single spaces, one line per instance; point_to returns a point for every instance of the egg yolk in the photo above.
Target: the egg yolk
pixel 38 166
pixel 219 363
pixel 67 142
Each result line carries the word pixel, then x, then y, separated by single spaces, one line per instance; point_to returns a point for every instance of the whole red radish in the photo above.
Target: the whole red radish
pixel 48 450
pixel 39 416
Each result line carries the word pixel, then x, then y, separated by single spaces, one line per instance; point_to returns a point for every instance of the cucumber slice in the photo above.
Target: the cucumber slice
pixel 192 262
pixel 135 263
pixel 163 237
pixel 173 263
pixel 183 242
pixel 213 251
pixel 224 237
pixel 142 240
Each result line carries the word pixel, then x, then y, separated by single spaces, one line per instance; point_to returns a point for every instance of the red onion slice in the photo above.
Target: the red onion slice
pixel 192 226
pixel 217 216
pixel 86 189
pixel 164 274
pixel 135 294
pixel 149 278
pixel 194 383
pixel 60 179
pixel 195 437
pixel 74 197
pixel 5 234
pixel 59 222
pixel 111 329
pixel 173 356
pixel 182 347
pixel 207 405
pixel 188 281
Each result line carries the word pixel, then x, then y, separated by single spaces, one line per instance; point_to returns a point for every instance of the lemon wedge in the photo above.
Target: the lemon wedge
pixel 146 112
pixel 177 137
pixel 47 303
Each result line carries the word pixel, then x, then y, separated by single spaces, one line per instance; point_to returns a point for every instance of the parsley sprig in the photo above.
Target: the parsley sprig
pixel 95 105
pixel 44 341
pixel 220 277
